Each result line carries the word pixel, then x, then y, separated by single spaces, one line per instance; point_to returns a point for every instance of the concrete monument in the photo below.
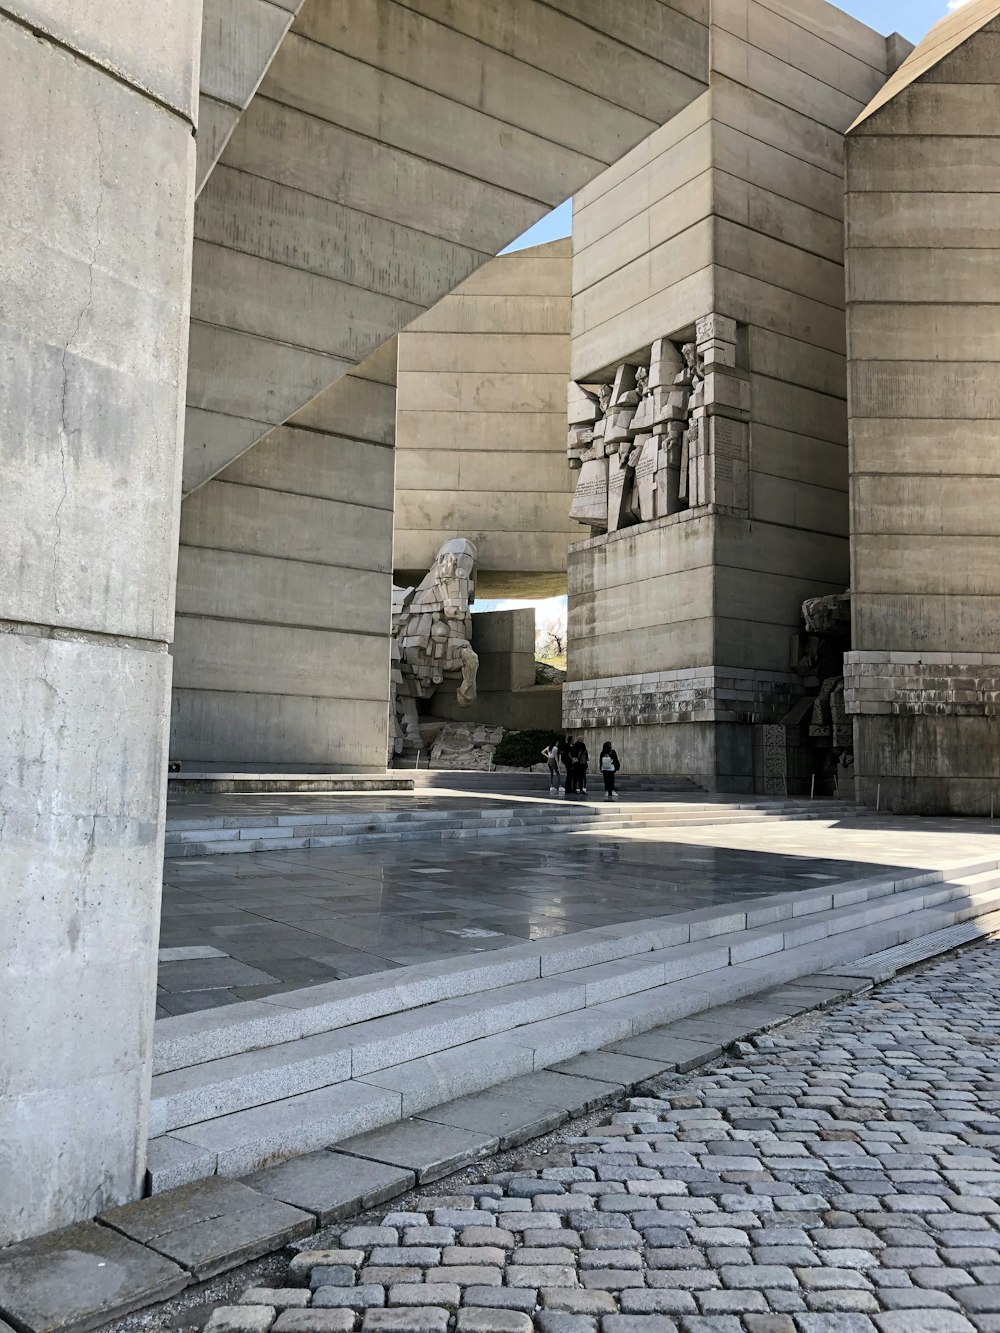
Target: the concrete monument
pixel 432 637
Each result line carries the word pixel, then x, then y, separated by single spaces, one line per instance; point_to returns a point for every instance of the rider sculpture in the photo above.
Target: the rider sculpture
pixel 431 637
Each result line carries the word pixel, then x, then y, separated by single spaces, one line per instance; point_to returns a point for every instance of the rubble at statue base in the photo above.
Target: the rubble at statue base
pixel 668 435
pixel 432 638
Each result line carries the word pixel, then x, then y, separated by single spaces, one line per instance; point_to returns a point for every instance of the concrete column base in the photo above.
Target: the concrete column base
pixel 928 765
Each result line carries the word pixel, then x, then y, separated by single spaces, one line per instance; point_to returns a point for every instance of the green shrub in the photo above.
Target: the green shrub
pixel 521 749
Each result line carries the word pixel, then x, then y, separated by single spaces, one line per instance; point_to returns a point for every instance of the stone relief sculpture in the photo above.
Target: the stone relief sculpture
pixel 431 638
pixel 669 434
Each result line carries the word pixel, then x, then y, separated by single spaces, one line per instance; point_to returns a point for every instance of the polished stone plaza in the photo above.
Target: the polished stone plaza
pixel 283 920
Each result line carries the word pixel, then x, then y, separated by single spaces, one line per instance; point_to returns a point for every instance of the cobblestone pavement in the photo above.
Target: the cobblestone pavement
pixel 838 1176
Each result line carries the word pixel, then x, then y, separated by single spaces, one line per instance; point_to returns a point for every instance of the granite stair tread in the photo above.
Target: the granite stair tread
pixel 603 987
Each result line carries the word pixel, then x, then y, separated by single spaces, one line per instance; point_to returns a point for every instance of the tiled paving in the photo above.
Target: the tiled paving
pixel 283 920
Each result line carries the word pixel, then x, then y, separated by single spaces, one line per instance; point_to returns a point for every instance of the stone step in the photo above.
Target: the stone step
pixel 540 808
pixel 212 839
pixel 412 1058
pixel 288 1016
pixel 448 779
pixel 195 782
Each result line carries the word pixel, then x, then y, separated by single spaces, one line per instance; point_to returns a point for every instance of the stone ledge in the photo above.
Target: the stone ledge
pixel 922 685
pixel 686 694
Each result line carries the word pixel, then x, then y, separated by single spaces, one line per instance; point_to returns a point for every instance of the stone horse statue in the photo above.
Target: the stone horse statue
pixel 431 634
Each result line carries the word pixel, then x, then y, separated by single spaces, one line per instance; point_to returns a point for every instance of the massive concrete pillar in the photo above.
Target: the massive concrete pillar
pixel 481 426
pixel 923 178
pixel 679 628
pixel 96 109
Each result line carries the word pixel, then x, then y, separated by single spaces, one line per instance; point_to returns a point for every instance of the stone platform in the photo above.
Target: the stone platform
pixel 390 881
pixel 463 966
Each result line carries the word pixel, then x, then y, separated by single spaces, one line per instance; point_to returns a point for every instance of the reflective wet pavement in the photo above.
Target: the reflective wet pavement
pixel 278 921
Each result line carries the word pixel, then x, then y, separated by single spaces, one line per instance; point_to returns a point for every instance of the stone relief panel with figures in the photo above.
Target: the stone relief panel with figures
pixel 668 435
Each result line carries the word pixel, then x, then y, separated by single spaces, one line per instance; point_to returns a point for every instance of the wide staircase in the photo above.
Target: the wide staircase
pixel 316 823
pixel 244 1086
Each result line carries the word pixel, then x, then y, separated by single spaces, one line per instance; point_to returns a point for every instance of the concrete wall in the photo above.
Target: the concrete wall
pixel 733 208
pixel 96 108
pixel 284 590
pixel 924 329
pixel 481 426
pixel 785 87
pixel 390 150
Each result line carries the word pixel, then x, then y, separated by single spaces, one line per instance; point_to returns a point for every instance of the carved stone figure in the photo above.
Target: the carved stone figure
pixel 431 637
pixel 668 434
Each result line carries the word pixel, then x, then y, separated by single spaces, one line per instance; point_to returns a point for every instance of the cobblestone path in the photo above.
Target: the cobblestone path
pixel 839 1176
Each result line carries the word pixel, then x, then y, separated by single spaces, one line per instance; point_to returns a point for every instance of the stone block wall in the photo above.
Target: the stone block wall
pixel 923 178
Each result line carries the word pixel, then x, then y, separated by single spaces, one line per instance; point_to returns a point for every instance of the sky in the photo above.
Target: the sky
pixel 912 18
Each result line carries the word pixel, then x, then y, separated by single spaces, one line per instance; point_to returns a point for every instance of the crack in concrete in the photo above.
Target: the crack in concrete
pixel 64 424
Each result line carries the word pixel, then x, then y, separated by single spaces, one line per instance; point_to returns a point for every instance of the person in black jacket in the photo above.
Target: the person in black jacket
pixel 566 755
pixel 581 760
pixel 609 767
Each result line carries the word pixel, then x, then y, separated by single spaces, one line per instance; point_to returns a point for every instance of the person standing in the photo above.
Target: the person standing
pixel 568 757
pixel 581 761
pixel 609 766
pixel 551 756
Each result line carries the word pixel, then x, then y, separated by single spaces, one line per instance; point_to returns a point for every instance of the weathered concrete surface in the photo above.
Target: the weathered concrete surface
pixel 481 425
pixel 389 151
pixel 734 207
pixel 923 296
pixel 95 215
pixel 82 1277
pixel 283 591
pixel 239 39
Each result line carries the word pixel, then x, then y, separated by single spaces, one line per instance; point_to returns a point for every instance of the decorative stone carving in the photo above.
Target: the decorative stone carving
pixel 670 432
pixel 431 638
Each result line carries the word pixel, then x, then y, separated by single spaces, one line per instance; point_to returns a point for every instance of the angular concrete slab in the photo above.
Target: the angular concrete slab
pixel 211 1225
pixel 679 1053
pixel 171 1162
pixel 429 1150
pixel 625 1071
pixel 331 1184
pixel 524 1108
pixel 511 1120
pixel 80 1278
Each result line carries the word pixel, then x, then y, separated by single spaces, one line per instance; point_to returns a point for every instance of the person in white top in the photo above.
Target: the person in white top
pixel 609 766
pixel 551 756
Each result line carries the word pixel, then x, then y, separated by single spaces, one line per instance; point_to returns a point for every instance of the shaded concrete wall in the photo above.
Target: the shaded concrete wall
pixel 481 425
pixel 679 629
pixel 284 590
pixel 96 109
pixel 924 326
pixel 390 150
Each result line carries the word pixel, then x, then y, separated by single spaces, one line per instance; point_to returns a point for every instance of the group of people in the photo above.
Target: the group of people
pixel 568 762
